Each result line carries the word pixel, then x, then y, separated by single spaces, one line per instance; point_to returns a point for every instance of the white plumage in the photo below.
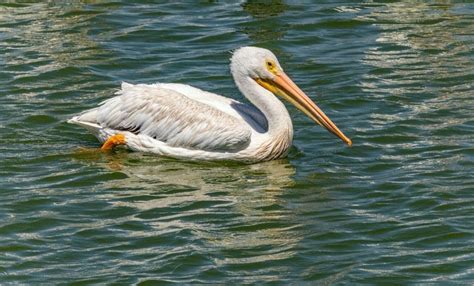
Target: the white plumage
pixel 181 121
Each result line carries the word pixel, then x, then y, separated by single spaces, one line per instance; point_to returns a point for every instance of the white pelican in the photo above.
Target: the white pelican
pixel 181 121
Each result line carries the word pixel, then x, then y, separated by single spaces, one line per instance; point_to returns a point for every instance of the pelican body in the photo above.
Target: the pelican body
pixel 181 121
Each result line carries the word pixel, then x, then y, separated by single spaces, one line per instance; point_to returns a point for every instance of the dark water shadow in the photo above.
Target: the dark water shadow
pixel 266 27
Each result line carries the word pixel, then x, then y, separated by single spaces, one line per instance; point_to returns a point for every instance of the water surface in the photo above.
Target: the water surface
pixel 396 208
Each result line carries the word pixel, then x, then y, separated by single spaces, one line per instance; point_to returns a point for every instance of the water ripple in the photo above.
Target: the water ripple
pixel 396 207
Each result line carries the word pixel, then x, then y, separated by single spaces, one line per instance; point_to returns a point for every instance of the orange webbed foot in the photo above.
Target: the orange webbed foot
pixel 112 141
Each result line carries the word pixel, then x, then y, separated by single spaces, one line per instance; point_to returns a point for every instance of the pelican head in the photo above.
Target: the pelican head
pixel 263 67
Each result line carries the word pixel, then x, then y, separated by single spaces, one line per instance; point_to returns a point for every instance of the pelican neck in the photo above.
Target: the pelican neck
pixel 274 110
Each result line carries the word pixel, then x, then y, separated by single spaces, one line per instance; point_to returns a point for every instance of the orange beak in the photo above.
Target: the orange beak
pixel 283 86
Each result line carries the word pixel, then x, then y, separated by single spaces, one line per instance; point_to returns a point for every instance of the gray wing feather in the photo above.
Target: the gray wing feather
pixel 173 118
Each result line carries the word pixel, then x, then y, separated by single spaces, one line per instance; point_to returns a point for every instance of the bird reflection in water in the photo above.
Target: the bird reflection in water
pixel 229 206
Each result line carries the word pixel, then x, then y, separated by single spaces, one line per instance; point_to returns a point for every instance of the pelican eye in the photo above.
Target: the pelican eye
pixel 271 66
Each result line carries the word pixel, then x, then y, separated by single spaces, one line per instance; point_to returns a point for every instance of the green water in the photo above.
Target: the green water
pixel 397 208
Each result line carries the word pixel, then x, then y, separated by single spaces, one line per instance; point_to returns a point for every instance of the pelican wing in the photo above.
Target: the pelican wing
pixel 173 118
